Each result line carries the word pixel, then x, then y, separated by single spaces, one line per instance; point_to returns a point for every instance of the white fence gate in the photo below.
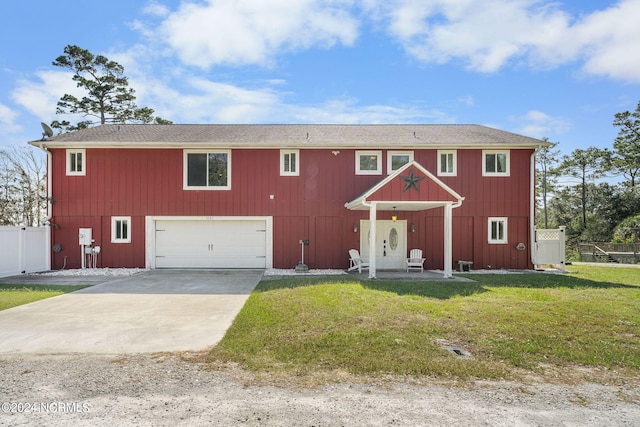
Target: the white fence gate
pixel 550 247
pixel 23 250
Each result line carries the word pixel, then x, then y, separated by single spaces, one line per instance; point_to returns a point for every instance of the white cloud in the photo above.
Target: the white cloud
pixel 349 111
pixel 538 124
pixel 41 97
pixel 213 102
pixel 239 32
pixel 487 36
pixel 185 95
pixel 8 119
pixel 610 41
pixel 483 36
pixel 204 101
pixel 155 9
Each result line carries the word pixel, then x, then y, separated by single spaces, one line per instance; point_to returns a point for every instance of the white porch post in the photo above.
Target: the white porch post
pixel 448 252
pixel 372 240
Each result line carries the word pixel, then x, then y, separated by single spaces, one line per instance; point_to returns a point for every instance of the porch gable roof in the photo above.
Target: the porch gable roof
pixel 410 188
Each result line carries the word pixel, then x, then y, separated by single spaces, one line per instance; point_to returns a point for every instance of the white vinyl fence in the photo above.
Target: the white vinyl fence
pixel 23 250
pixel 550 247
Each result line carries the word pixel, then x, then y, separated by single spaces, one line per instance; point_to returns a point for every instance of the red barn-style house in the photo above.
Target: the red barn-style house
pixel 244 196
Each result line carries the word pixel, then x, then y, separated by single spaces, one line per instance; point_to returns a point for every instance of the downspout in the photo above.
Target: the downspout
pixel 448 237
pixel 47 220
pixel 532 207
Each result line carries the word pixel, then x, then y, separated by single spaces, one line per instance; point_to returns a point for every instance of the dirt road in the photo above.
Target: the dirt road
pixel 164 389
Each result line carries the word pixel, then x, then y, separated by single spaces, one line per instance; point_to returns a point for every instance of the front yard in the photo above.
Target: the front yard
pixel 582 325
pixel 14 295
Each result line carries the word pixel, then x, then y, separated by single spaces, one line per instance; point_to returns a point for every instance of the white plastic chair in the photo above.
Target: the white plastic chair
pixel 356 262
pixel 415 260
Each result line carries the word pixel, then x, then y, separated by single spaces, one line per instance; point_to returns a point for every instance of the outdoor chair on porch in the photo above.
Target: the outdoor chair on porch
pixel 355 262
pixel 415 260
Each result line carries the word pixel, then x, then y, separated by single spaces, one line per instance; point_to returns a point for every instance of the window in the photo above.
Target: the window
pixel 497 230
pixel 207 170
pixel 76 162
pixel 495 163
pixel 289 160
pixel 368 162
pixel 447 161
pixel 397 159
pixel 121 229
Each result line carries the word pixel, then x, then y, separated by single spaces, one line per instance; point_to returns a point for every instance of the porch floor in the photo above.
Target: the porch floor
pixel 426 275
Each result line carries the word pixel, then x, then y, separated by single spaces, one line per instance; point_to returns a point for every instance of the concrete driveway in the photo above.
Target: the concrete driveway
pixel 153 311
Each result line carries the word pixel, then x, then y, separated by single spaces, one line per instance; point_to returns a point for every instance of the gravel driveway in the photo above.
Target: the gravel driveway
pixel 166 389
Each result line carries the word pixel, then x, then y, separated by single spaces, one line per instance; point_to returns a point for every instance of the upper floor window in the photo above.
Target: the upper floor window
pixel 289 160
pixel 497 230
pixel 207 170
pixel 121 229
pixel 76 162
pixel 397 159
pixel 368 162
pixel 495 163
pixel 447 163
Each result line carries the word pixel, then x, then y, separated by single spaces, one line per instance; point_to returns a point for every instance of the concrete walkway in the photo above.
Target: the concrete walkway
pixel 154 311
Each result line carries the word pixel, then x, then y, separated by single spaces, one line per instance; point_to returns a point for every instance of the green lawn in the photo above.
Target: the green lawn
pixel 586 321
pixel 13 295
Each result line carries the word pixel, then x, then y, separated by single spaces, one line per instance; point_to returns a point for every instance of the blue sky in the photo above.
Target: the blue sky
pixel 555 69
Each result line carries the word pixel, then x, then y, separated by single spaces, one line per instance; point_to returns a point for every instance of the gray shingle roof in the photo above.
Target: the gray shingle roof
pixel 241 135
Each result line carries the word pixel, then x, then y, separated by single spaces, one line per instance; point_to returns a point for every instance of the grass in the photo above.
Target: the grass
pixel 512 325
pixel 14 295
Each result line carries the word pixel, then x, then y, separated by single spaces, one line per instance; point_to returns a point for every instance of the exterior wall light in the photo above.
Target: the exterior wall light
pixel 412 227
pixel 355 227
pixel 395 215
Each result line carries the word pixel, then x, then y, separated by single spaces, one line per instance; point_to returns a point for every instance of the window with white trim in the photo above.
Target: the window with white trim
pixel 497 230
pixel 207 170
pixel 397 159
pixel 447 163
pixel 368 162
pixel 76 162
pixel 495 163
pixel 289 162
pixel 120 229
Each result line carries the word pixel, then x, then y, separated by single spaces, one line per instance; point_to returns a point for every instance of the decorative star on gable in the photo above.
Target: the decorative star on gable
pixel 411 181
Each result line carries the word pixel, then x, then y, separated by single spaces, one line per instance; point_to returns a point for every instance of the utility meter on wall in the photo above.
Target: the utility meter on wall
pixel 85 237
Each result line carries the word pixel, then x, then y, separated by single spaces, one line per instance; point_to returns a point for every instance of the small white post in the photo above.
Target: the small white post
pixel 448 253
pixel 372 240
pixel 302 267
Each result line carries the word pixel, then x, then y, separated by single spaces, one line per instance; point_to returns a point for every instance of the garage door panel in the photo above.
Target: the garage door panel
pixel 211 244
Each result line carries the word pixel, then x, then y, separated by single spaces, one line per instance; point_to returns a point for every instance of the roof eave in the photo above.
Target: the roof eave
pixel 297 145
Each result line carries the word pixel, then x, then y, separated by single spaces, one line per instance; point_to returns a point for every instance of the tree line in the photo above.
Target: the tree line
pixel 575 190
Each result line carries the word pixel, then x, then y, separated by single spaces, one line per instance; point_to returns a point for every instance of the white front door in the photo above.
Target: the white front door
pixel 391 243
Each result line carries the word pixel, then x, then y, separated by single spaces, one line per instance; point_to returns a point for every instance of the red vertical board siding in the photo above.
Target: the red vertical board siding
pixel 330 233
pixel 434 241
pixel 65 233
pixel 462 245
pixel 141 182
pixel 287 233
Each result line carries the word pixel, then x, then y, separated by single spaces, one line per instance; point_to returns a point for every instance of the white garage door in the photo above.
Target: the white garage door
pixel 211 244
